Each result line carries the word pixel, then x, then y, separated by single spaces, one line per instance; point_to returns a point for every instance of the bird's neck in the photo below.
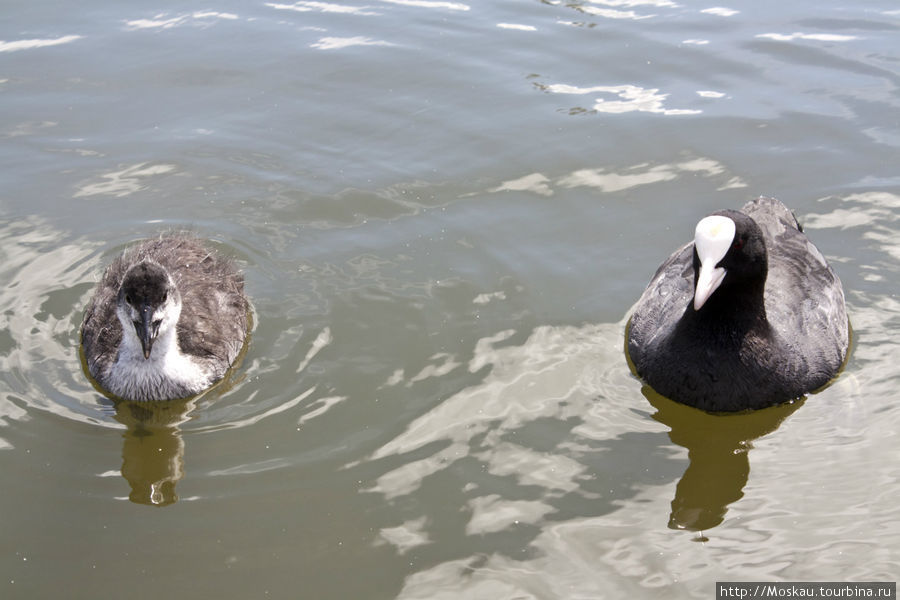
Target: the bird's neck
pixel 165 355
pixel 167 373
pixel 730 316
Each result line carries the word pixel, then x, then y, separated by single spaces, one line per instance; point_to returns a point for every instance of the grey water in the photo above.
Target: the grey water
pixel 444 211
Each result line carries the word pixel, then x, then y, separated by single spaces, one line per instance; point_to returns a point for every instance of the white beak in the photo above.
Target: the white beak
pixel 710 278
pixel 712 239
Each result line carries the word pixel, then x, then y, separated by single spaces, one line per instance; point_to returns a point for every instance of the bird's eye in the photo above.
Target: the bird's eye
pixel 738 244
pixel 165 296
pixel 128 298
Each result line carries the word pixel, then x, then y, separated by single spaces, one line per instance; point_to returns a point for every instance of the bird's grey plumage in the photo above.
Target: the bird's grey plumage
pixel 756 356
pixel 211 326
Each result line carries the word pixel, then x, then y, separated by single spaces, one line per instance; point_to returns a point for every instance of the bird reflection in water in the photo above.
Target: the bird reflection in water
pixel 718 448
pixel 153 448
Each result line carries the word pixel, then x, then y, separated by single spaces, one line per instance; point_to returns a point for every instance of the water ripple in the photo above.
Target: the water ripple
pixel 37 43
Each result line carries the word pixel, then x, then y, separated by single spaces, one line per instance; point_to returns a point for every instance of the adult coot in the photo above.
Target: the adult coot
pixel 166 321
pixel 747 315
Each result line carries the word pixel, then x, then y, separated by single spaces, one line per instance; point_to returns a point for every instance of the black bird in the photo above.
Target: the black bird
pixel 748 315
pixel 166 321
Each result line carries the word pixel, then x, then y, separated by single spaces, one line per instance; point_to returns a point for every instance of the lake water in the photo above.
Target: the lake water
pixel 444 210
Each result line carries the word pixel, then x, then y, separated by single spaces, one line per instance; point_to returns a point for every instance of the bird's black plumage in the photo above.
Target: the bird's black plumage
pixel 774 329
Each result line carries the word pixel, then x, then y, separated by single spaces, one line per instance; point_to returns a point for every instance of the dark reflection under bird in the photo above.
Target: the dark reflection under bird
pixel 167 320
pixel 719 457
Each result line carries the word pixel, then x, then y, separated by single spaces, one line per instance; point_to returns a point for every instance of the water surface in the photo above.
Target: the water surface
pixel 444 211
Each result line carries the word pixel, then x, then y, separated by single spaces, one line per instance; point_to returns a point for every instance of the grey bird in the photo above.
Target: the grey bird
pixel 166 321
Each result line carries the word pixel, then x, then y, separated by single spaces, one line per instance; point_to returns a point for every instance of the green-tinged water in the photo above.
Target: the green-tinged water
pixel 444 212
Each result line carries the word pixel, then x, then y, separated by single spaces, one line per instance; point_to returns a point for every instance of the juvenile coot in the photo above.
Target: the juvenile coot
pixel 748 315
pixel 166 321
